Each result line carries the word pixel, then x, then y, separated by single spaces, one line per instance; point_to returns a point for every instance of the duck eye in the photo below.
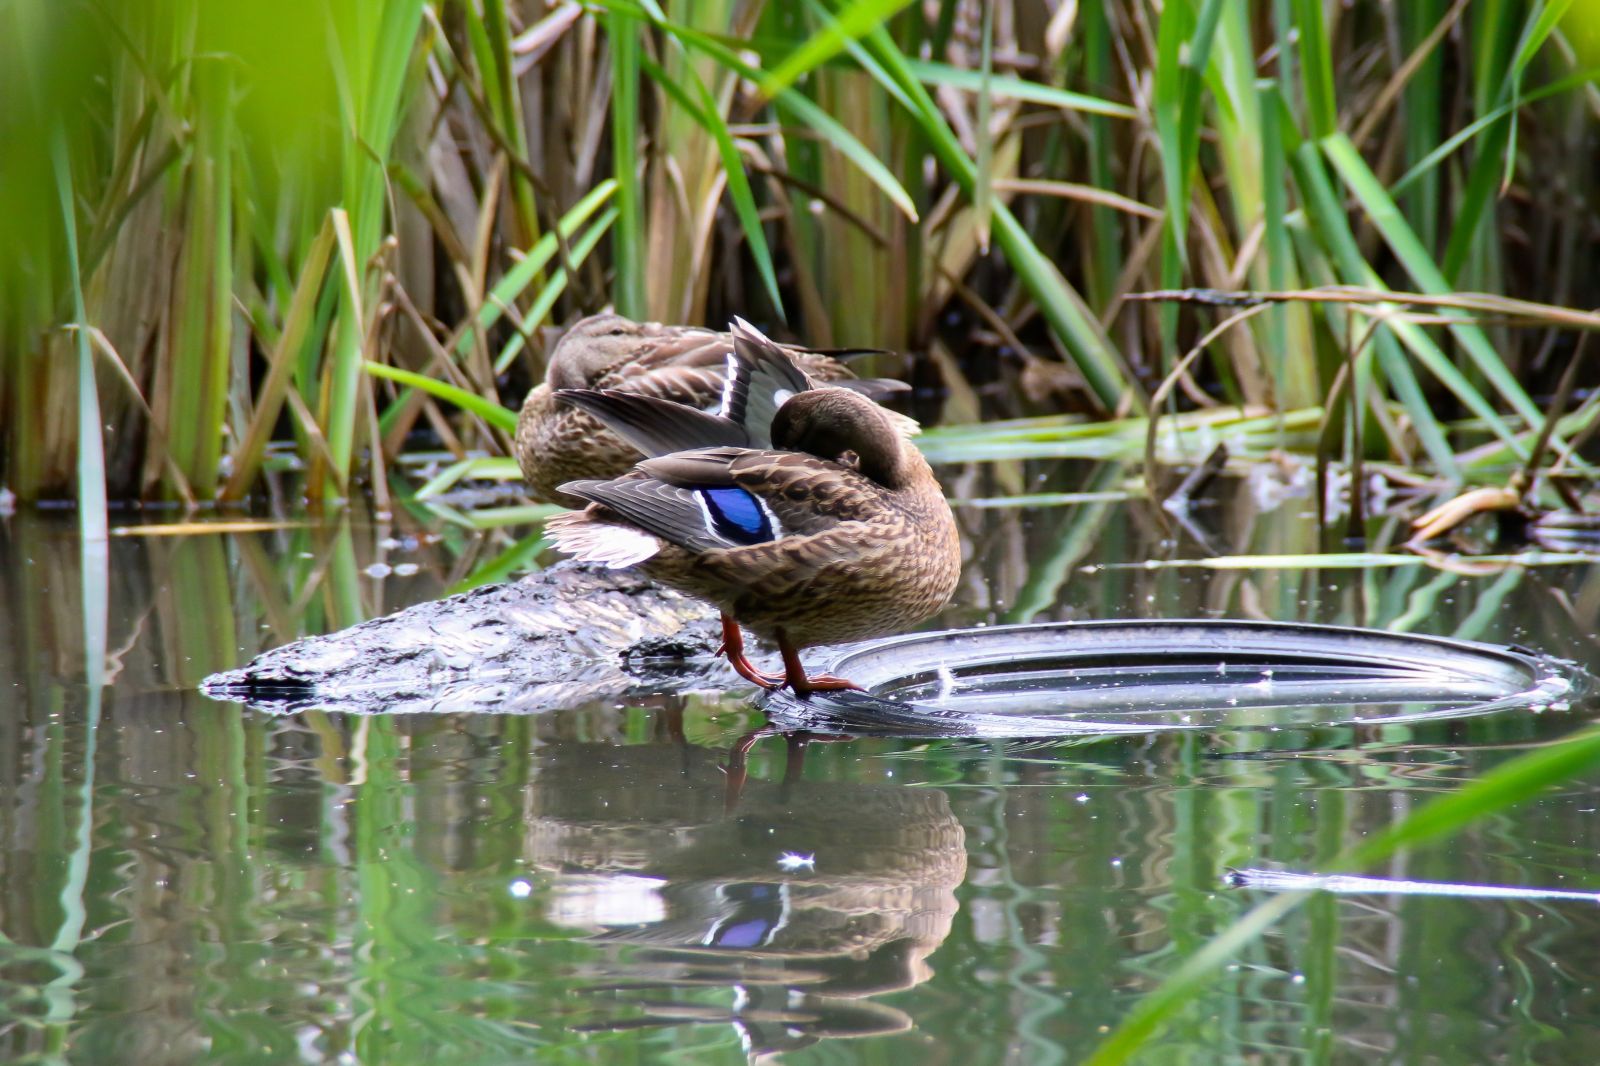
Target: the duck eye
pixel 616 331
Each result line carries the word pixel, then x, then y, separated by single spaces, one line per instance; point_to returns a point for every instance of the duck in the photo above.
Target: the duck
pixel 558 442
pixel 802 511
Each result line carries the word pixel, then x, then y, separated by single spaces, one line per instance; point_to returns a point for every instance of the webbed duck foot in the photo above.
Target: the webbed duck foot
pixel 804 686
pixel 744 669
pixel 733 648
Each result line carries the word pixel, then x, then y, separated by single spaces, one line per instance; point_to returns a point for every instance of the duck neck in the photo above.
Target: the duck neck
pixel 887 462
pixel 846 427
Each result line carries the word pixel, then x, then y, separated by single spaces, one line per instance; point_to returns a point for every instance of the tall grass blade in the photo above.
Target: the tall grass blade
pixel 1369 192
pixel 516 280
pixel 488 410
pixel 852 22
pixel 1010 87
pixel 1184 50
pixel 1104 256
pixel 628 291
pixel 1060 304
pixel 95 583
pixel 92 520
pixel 1546 16
pixel 983 193
pixel 1316 63
pixel 194 392
pixel 844 142
pixel 542 305
pixel 507 105
pixel 371 51
pixel 297 326
pixel 1326 212
pixel 708 115
pixel 797 104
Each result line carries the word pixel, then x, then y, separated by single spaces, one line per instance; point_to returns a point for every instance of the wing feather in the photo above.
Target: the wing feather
pixel 655 426
pixel 671 512
pixel 761 376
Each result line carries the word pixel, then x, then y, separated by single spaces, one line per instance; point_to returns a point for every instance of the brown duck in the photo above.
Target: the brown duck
pixel 557 442
pixel 823 524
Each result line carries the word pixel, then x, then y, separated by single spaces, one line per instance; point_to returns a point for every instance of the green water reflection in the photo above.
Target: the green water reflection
pixel 185 881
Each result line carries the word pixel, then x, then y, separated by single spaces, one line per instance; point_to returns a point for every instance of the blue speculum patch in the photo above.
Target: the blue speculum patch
pixel 737 516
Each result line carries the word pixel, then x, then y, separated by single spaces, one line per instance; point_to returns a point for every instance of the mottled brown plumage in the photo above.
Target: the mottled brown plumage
pixel 556 443
pixel 844 534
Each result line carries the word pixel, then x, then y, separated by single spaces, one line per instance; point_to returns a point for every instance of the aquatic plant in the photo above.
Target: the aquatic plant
pixel 255 200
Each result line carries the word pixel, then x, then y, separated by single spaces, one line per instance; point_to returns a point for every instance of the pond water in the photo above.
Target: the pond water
pixel 186 880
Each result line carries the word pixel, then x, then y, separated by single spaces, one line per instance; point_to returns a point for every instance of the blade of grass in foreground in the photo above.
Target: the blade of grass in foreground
pixel 1324 210
pixel 827 127
pixel 546 301
pixel 92 520
pixel 482 467
pixel 802 108
pixel 520 557
pixel 1508 785
pixel 370 57
pixel 744 201
pixel 489 411
pixel 519 277
pixel 860 18
pixel 497 67
pixel 95 583
pixel 1007 87
pixel 297 325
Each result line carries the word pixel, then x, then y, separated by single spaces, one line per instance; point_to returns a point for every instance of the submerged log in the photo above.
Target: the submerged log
pixel 563 637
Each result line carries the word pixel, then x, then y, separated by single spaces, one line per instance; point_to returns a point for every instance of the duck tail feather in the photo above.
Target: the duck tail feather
pixel 593 541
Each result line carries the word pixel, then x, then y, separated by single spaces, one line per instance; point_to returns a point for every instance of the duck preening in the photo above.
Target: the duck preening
pixel 557 442
pixel 802 511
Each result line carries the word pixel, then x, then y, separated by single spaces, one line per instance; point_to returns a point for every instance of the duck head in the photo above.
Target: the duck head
pixel 847 428
pixel 594 345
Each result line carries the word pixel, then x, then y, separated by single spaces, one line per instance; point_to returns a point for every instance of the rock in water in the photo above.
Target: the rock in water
pixel 559 638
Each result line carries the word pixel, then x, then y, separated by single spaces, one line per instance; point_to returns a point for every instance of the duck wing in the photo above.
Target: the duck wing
pixel 804 494
pixel 761 376
pixel 679 346
pixel 654 425
pixel 701 518
pixel 681 363
pixel 715 498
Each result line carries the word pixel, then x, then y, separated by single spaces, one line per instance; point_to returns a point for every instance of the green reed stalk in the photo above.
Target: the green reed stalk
pixel 1060 304
pixel 1422 110
pixel 92 521
pixel 628 290
pixel 370 63
pixel 194 389
pixel 495 63
pixel 1102 253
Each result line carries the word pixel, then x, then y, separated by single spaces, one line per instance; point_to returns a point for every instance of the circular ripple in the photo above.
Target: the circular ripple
pixel 1072 678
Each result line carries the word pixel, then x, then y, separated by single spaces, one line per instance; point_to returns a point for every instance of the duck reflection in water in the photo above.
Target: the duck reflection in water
pixel 805 901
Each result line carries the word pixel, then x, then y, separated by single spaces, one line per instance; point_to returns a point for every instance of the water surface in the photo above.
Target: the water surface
pixel 184 880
